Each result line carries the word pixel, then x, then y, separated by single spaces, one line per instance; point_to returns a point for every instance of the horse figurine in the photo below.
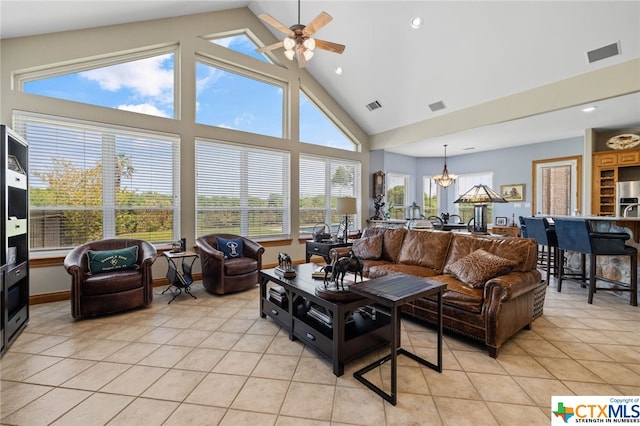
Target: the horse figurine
pixel 284 261
pixel 347 264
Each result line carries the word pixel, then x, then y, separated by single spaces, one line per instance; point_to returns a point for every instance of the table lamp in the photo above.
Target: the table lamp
pixel 480 195
pixel 346 206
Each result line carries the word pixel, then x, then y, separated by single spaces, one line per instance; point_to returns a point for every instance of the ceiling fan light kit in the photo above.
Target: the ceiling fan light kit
pixel 299 42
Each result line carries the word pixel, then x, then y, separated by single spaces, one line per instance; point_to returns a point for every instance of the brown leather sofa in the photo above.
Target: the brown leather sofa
pixel 221 275
pixel 493 310
pixel 113 291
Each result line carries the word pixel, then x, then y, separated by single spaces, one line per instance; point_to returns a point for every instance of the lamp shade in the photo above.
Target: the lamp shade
pixel 481 194
pixel 346 205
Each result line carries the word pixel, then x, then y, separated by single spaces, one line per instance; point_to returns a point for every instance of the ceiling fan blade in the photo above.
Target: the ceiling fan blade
pixel 319 21
pixel 275 23
pixel 270 47
pixel 327 45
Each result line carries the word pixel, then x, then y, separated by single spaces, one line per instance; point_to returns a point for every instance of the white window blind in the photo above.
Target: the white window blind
pixel 322 180
pixel 90 181
pixel 242 190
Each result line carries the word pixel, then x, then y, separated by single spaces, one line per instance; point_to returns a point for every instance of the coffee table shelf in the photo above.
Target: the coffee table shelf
pixel 341 342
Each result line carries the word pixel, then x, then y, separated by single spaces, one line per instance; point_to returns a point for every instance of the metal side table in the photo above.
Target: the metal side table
pixel 180 278
pixel 393 291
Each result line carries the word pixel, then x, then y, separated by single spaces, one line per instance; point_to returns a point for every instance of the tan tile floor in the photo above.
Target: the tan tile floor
pixel 214 361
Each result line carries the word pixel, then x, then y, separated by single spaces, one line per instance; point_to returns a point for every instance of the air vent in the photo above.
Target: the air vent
pixel 437 106
pixel 374 105
pixel 603 53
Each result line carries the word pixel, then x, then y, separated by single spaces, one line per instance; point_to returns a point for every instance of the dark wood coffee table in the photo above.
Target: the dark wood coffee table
pixel 393 291
pixel 351 334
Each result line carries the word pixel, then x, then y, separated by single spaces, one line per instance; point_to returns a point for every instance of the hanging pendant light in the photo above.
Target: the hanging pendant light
pixel 445 179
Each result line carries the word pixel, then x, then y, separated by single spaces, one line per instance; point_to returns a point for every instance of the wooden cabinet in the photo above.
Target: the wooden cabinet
pixel 628 158
pixel 513 231
pixel 607 167
pixel 14 248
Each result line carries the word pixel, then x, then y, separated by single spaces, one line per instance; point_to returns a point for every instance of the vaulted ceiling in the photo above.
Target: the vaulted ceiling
pixel 508 73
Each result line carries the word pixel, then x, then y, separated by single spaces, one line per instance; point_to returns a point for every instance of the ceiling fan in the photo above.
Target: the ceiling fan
pixel 299 42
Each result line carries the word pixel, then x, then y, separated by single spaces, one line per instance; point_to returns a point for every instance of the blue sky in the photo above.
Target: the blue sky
pixel 224 99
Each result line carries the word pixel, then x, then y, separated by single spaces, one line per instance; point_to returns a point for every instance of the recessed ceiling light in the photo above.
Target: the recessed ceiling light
pixel 416 22
pixel 589 109
pixel 339 70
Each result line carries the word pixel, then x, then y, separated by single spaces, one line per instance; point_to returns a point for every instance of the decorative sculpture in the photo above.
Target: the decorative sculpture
pixel 379 205
pixel 284 265
pixel 346 264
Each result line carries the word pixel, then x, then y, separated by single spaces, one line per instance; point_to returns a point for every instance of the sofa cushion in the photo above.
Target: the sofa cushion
pixel 368 248
pixel 521 250
pixel 425 248
pixel 392 243
pixel 114 282
pixel 383 269
pixel 457 294
pixel 230 248
pixel 478 267
pixel 240 266
pixel 111 260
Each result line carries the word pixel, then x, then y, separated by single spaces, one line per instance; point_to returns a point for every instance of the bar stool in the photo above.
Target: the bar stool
pixel 538 228
pixel 576 235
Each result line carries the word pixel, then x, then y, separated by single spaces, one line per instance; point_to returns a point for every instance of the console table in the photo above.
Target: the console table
pixel 393 291
pixel 314 248
pixel 351 333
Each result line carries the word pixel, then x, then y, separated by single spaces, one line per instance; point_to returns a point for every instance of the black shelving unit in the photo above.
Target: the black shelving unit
pixel 14 249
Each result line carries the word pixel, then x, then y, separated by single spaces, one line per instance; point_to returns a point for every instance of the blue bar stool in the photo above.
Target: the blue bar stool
pixel 538 228
pixel 575 234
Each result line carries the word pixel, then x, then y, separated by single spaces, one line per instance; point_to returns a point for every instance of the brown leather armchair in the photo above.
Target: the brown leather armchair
pixel 112 291
pixel 220 275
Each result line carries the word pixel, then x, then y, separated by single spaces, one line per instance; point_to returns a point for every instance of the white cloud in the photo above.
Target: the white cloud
pixel 245 118
pixel 144 109
pixel 145 76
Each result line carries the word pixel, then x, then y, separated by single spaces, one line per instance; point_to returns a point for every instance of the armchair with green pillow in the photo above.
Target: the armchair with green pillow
pixel 492 282
pixel 110 276
pixel 230 262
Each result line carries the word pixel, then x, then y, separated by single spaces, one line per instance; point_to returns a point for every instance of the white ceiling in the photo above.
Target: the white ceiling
pixel 467 54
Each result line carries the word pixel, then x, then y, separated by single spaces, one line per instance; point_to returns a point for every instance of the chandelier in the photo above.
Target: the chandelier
pixel 445 180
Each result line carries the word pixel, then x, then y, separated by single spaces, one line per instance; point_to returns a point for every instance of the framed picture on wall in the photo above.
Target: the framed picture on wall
pixel 378 183
pixel 512 192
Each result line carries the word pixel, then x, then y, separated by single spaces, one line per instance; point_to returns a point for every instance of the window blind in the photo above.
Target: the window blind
pixel 321 181
pixel 90 181
pixel 242 190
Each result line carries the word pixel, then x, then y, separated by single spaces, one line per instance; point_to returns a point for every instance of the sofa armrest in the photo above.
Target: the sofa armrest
pixel 513 284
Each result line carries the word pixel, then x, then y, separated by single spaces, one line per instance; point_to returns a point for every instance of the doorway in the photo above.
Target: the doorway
pixel 557 186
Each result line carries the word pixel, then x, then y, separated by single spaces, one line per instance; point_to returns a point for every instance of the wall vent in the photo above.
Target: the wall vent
pixel 374 105
pixel 603 52
pixel 437 106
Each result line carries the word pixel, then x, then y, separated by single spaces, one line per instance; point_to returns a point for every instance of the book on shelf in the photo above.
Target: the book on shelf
pixel 319 273
pixel 320 314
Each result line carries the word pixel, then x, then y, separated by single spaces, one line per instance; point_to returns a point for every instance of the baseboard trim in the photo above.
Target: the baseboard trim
pixel 36 299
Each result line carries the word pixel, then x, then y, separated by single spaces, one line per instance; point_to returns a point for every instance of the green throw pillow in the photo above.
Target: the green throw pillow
pixel 111 260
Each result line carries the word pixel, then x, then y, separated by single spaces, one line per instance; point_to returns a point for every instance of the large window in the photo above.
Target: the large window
pixel 322 180
pixel 241 43
pixel 466 182
pixel 143 85
pixel 397 186
pixel 242 190
pixel 430 197
pixel 317 129
pixel 238 102
pixel 89 181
